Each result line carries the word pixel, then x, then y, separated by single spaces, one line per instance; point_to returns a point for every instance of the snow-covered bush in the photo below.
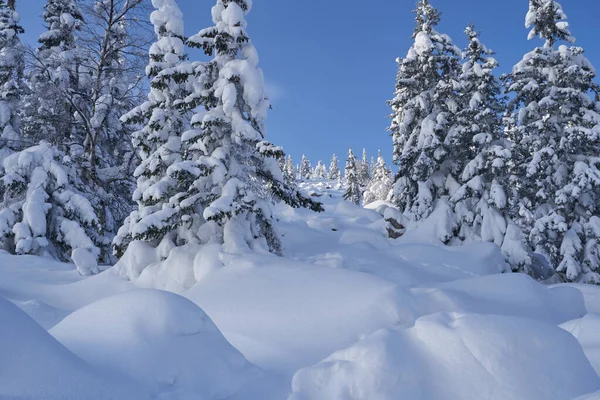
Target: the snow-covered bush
pixel 45 211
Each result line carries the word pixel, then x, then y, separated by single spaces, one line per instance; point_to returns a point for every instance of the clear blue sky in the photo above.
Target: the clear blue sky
pixel 330 64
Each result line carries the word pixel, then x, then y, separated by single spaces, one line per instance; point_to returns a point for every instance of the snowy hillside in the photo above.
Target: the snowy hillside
pixel 346 314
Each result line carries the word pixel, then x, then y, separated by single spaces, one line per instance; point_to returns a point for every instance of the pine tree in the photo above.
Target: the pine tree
pixel 364 172
pixel 305 168
pixel 380 184
pixel 555 124
pixel 334 169
pixel 320 171
pixel 159 141
pixel 483 156
pixel 353 190
pixel 11 79
pixel 422 113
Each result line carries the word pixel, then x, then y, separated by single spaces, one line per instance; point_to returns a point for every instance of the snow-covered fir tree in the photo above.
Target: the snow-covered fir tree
pixel 334 169
pixel 219 188
pixel 159 141
pixel 364 172
pixel 237 177
pixel 11 79
pixel 372 166
pixel 320 172
pixel 422 113
pixel 289 172
pixel 483 154
pixel 305 168
pixel 353 187
pixel 556 124
pixel 380 184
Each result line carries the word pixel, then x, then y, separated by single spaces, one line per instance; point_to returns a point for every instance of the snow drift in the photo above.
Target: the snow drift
pixel 33 365
pixel 453 356
pixel 162 341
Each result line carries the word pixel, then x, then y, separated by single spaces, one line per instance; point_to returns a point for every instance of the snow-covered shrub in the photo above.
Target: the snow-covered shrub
pixel 45 211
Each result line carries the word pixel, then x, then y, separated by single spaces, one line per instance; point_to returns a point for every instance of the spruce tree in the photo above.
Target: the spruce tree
pixel 334 169
pixel 380 184
pixel 364 172
pixel 320 171
pixel 422 113
pixel 554 123
pixel 353 188
pixel 158 142
pixel 305 168
pixel 11 80
pixel 236 174
pixel 289 172
pixel 483 156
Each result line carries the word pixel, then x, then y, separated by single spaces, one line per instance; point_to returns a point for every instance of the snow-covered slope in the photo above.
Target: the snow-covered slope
pixel 347 314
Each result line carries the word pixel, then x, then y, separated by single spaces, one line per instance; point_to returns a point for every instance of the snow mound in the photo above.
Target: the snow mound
pixel 160 340
pixel 33 365
pixel 586 330
pixel 454 357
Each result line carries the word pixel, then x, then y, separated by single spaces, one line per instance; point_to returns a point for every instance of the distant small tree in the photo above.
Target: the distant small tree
pixel 320 171
pixel 334 169
pixel 353 188
pixel 380 184
pixel 305 168
pixel 289 172
pixel 364 172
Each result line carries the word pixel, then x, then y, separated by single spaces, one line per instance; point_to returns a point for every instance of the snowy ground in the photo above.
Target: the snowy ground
pixel 347 315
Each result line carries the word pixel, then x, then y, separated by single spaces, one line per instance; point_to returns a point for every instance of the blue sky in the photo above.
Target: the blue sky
pixel 330 64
